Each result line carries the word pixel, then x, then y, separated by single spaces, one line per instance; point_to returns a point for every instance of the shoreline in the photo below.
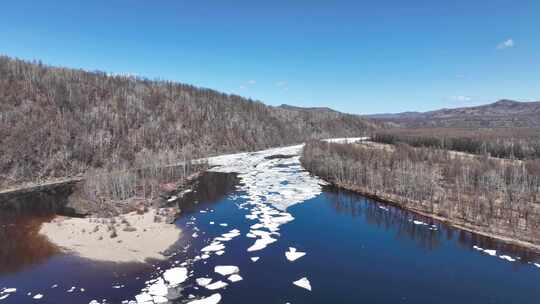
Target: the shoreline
pixel 131 237
pixel 453 223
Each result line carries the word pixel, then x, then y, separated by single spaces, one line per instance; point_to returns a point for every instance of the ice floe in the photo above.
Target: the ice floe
pixel 235 278
pixel 508 258
pixel 303 283
pixel 175 276
pixel 254 259
pixel 216 285
pixel 215 246
pixel 213 299
pixel 203 281
pixel 293 255
pixel 226 270
pixel 38 297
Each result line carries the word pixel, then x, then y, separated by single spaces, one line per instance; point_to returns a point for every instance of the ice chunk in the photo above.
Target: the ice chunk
pixel 213 299
pixel 508 258
pixel 261 243
pixel 175 276
pixel 235 278
pixel 293 255
pixel 160 300
pixel 216 246
pixel 221 252
pixel 143 298
pixel 226 270
pixel 304 283
pixel 158 288
pixel 216 285
pixel 9 290
pixel 491 252
pixel 203 281
pixel 254 259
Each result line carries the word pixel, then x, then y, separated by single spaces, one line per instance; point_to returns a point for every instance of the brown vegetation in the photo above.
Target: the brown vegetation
pixel 127 136
pixel 512 143
pixel 478 193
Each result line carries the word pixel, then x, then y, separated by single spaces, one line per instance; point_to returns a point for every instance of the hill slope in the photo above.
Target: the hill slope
pixel 62 122
pixel 503 113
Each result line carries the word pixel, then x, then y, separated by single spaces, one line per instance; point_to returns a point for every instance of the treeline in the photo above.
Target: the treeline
pixel 494 196
pixel 511 143
pixel 58 122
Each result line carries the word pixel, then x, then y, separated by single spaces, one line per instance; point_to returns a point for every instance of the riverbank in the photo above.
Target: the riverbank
pixel 132 237
pixel 481 195
pixel 463 225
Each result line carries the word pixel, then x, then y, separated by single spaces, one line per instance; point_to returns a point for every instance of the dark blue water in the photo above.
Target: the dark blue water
pixel 356 253
pixel 360 253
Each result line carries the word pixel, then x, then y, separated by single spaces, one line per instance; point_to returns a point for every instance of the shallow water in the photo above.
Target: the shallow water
pixel 357 251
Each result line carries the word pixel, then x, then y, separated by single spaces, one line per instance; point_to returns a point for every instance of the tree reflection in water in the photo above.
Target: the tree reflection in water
pixel 389 217
pixel 21 245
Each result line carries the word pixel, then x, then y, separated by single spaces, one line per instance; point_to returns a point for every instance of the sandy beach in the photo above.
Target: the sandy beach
pixel 129 238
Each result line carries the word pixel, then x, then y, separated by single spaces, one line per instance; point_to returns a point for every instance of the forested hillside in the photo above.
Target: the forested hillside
pixel 58 122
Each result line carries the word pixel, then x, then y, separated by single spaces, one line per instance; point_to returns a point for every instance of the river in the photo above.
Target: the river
pixel 247 213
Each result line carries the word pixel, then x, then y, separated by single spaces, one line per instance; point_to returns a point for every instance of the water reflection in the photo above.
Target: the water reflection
pixel 401 221
pixel 208 189
pixel 21 245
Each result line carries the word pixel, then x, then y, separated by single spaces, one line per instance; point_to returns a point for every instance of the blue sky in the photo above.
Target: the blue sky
pixel 354 56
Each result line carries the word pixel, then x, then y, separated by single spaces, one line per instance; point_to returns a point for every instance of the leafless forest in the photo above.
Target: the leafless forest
pixel 511 143
pixel 58 122
pixel 486 194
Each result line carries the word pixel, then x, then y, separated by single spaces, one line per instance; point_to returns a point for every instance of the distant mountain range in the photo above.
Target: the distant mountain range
pixel 503 113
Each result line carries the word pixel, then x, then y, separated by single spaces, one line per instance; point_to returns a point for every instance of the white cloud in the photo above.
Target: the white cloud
pixel 252 82
pixel 509 43
pixel 459 98
pixel 281 84
pixel 242 87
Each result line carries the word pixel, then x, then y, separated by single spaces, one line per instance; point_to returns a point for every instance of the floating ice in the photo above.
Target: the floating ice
pixel 216 246
pixel 9 290
pixel 293 255
pixel 384 208
pixel 213 299
pixel 221 252
pixel 216 285
pixel 226 270
pixel 224 224
pixel 508 258
pixel 158 288
pixel 38 297
pixel 203 281
pixel 143 298
pixel 254 259
pixel 304 283
pixel 175 276
pixel 4 296
pixel 491 252
pixel 235 278
pixel 261 244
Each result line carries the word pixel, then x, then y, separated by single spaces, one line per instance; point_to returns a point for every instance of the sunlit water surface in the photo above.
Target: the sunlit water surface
pixel 358 251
